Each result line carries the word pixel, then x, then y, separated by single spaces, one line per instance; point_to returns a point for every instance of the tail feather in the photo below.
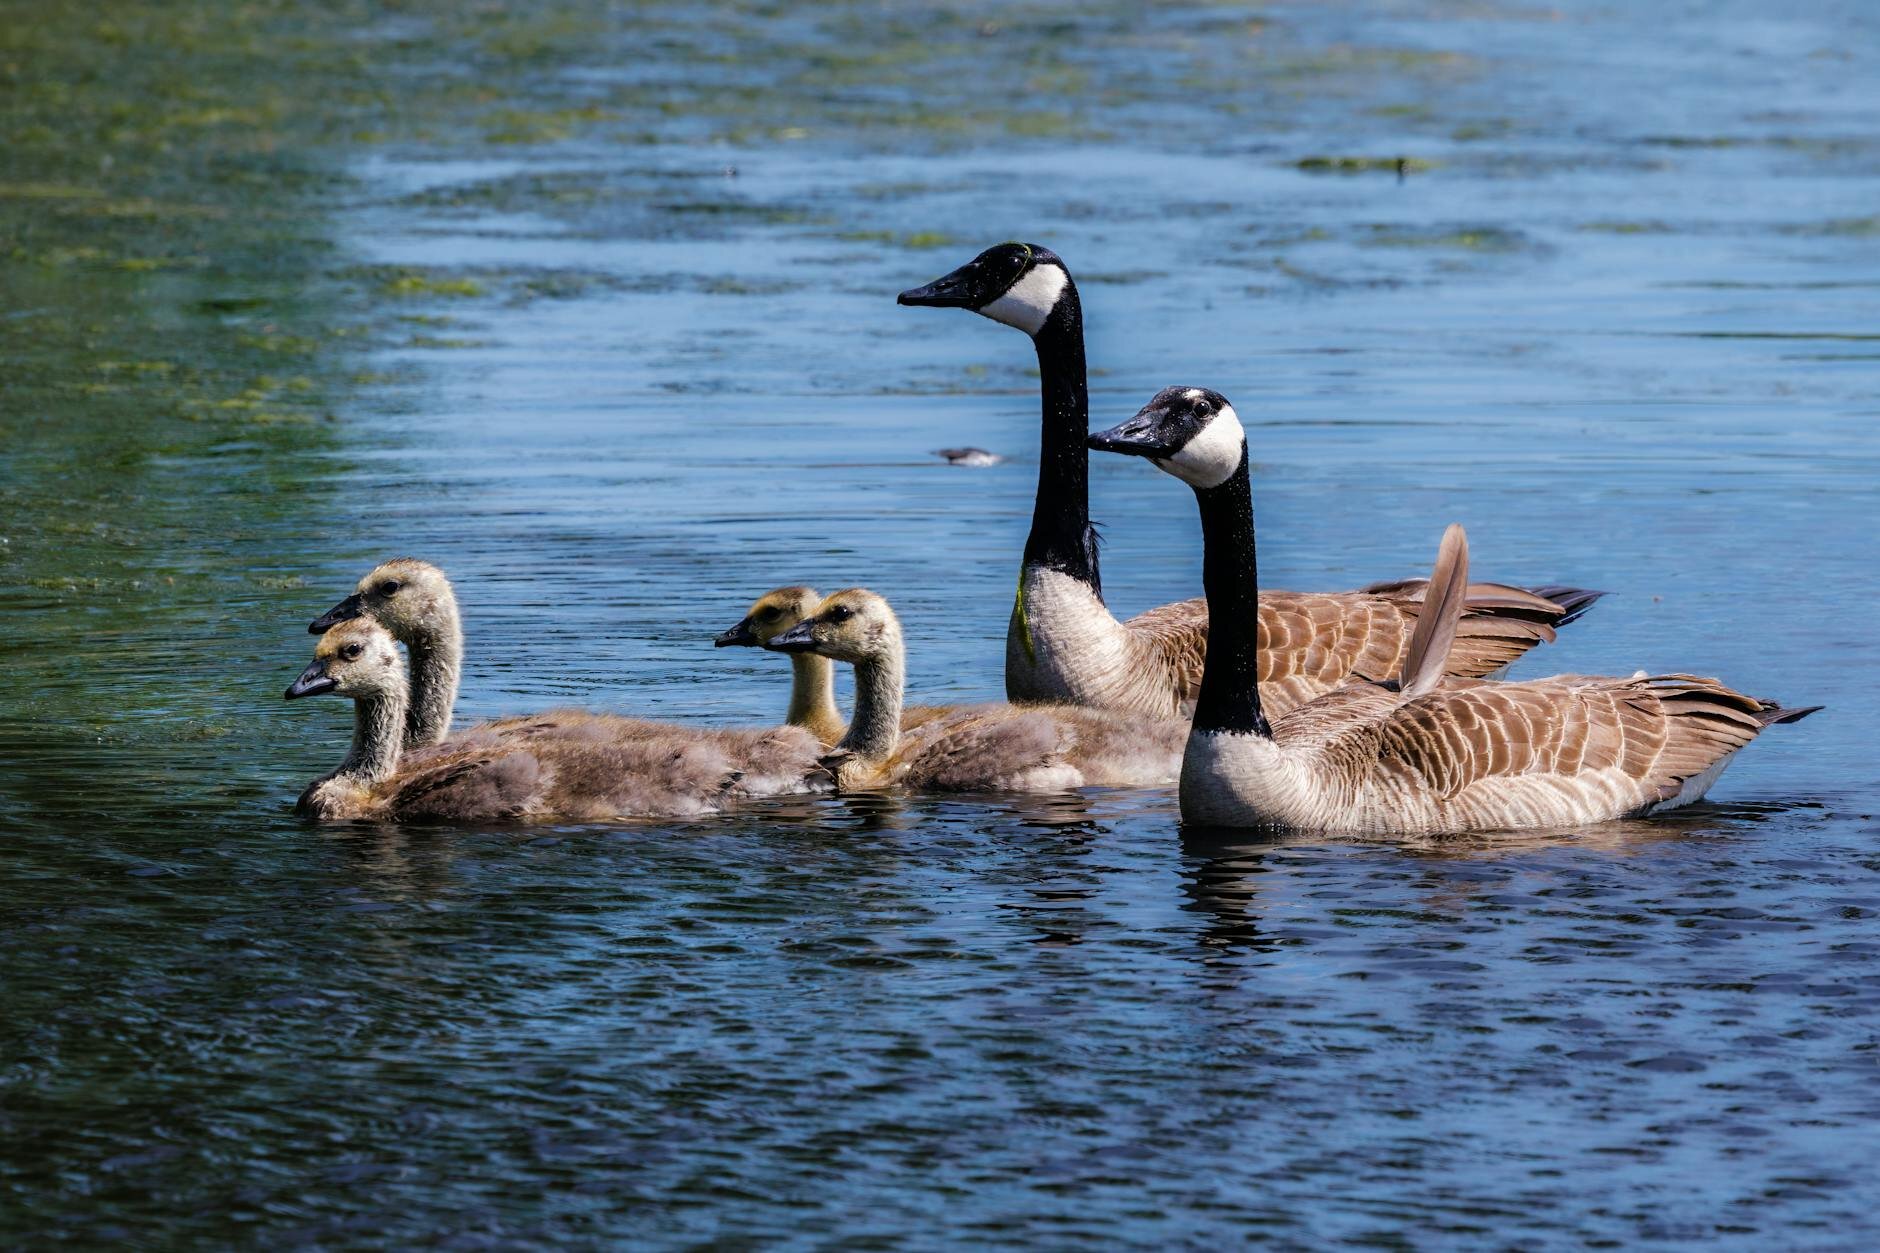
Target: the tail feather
pixel 1435 632
pixel 1772 714
pixel 1573 601
pixel 1555 604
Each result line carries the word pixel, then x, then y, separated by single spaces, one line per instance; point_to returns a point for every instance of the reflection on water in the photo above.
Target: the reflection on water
pixel 606 327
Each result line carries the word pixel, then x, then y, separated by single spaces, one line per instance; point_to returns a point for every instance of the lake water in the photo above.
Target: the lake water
pixel 595 309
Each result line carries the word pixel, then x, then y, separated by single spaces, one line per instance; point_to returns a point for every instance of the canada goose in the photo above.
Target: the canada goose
pixel 561 765
pixel 1426 755
pixel 413 600
pixel 967 748
pixel 812 678
pixel 1063 644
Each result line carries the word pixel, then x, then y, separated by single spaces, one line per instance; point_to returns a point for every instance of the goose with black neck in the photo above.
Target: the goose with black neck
pixel 1426 754
pixel 1063 645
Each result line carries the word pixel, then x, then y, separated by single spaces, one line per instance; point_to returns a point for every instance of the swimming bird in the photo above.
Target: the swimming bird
pixel 812 677
pixel 1426 754
pixel 967 748
pixel 415 602
pixel 563 765
pixel 1064 644
pixel 974 457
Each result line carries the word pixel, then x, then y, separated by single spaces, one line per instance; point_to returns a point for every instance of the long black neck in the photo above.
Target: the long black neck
pixel 1230 680
pixel 1061 538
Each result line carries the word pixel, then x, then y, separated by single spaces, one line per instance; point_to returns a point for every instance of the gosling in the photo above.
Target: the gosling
pixel 812 677
pixel 415 602
pixel 968 748
pixel 560 766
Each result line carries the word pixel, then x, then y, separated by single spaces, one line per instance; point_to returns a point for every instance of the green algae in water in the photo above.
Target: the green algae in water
pixel 412 283
pixel 1468 239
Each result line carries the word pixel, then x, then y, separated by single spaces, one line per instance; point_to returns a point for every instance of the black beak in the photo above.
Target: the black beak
pixel 953 291
pixel 312 682
pixel 348 609
pixel 738 636
pixel 796 640
pixel 1140 436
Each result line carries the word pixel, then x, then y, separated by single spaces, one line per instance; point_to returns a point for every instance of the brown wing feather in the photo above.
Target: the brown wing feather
pixel 1311 642
pixel 1651 733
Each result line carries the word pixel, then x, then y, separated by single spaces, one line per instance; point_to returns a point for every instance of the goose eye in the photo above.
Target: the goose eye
pixel 351 651
pixel 1203 409
pixel 841 613
pixel 389 587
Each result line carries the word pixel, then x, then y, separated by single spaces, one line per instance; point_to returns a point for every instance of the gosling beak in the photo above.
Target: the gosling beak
pixel 796 640
pixel 348 609
pixel 312 681
pixel 1140 436
pixel 738 636
pixel 951 291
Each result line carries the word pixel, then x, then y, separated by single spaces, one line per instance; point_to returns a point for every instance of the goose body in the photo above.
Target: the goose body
pixel 1427 754
pixel 1066 646
pixel 1475 755
pixel 1063 645
pixel 968 748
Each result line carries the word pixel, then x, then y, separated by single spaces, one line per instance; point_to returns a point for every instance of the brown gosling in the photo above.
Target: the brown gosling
pixel 1064 644
pixel 1428 754
pixel 968 748
pixel 564 765
pixel 812 677
pixel 414 601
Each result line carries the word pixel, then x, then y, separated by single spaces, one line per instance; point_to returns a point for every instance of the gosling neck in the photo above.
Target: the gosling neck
pixel 1061 538
pixel 813 696
pixel 378 726
pixel 436 669
pixel 1229 700
pixel 876 729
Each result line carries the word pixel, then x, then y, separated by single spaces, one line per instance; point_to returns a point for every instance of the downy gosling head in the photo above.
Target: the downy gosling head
pixel 853 625
pixel 357 659
pixel 1189 432
pixel 412 599
pixel 771 615
pixel 1017 284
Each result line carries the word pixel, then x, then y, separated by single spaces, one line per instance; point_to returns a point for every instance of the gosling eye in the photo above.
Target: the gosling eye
pixel 352 651
pixel 390 587
pixel 770 613
pixel 841 613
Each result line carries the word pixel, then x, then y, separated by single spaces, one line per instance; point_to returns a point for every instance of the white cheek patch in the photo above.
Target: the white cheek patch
pixel 1212 456
pixel 1029 301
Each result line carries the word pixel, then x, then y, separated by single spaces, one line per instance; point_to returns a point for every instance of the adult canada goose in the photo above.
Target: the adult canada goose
pixel 967 748
pixel 1063 644
pixel 812 677
pixel 1425 755
pixel 562 765
pixel 413 600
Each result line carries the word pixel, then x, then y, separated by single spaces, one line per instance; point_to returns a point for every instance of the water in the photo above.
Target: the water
pixel 595 309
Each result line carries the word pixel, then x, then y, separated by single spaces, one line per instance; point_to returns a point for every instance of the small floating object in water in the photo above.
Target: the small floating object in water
pixel 968 456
